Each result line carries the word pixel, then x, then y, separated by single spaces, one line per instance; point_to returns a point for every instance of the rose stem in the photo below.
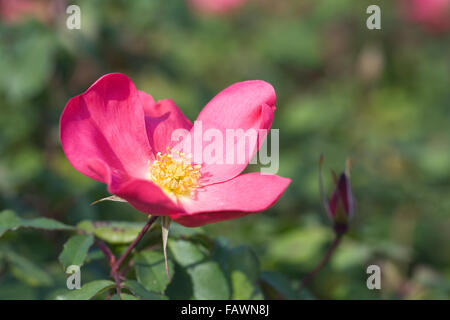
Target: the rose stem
pixel 106 251
pixel 322 263
pixel 135 242
pixel 112 260
pixel 115 265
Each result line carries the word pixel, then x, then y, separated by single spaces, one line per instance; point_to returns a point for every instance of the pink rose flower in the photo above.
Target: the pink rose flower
pixel 120 136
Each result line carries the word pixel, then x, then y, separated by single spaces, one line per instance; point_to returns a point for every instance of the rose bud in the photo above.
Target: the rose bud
pixel 340 207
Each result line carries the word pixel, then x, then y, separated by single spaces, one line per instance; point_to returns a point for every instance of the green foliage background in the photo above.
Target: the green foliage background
pixel 380 97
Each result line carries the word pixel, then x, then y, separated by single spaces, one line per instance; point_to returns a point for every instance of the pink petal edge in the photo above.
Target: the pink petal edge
pixel 245 194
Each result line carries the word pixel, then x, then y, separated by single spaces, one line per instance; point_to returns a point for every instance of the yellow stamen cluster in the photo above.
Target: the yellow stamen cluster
pixel 174 172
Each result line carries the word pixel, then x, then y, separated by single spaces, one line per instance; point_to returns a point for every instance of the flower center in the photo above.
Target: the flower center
pixel 174 172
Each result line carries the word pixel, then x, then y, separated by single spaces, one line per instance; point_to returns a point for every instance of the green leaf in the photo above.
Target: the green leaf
pixel 141 292
pixel 208 280
pixel 112 231
pixel 180 287
pixel 10 221
pixel 177 231
pixel 186 253
pixel 15 290
pixel 124 296
pixel 280 285
pixel 95 254
pixel 150 270
pixel 75 250
pixel 26 271
pixel 244 272
pixel 87 291
pixel 46 224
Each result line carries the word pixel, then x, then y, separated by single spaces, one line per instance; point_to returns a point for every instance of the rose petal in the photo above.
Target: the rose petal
pixel 145 196
pixel 242 106
pixel 148 103
pixel 203 218
pixel 105 126
pixel 245 194
pixel 161 120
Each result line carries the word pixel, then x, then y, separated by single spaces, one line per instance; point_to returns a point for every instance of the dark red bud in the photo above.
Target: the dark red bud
pixel 340 207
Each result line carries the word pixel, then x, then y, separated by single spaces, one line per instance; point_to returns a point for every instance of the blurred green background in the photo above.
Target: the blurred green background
pixel 380 97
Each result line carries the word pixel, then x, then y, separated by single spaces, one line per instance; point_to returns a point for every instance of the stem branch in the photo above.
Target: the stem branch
pixel 106 251
pixel 322 263
pixel 135 242
pixel 115 264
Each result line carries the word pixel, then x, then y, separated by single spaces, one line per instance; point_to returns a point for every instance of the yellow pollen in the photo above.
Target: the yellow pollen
pixel 174 172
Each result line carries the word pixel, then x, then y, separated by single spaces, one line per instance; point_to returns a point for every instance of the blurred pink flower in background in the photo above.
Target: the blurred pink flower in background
pixel 16 11
pixel 216 6
pixel 433 14
pixel 12 11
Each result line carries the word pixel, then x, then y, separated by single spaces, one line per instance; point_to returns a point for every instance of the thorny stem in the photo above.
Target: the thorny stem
pixel 135 241
pixel 322 263
pixel 106 251
pixel 115 264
